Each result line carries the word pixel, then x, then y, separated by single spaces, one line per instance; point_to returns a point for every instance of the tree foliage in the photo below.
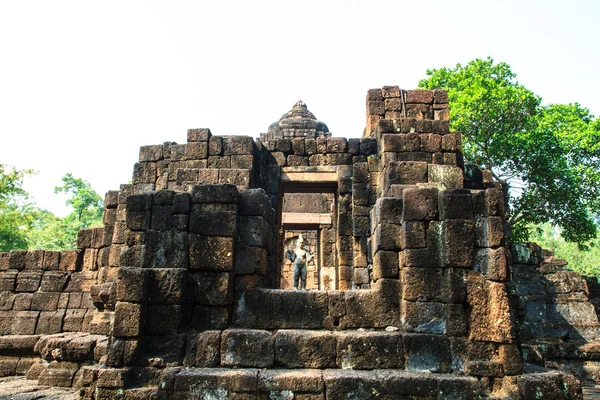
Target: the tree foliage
pixel 56 233
pixel 584 262
pixel 549 156
pixel 87 204
pixel 17 212
pixel 24 226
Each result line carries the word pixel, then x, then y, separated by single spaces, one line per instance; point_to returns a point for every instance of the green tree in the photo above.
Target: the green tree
pixel 55 233
pixel 584 262
pixel 87 204
pixel 549 156
pixel 17 212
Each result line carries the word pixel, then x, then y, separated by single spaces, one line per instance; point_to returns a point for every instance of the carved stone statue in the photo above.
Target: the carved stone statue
pixel 300 257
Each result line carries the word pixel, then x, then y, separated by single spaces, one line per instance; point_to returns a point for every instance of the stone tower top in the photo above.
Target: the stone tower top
pixel 298 122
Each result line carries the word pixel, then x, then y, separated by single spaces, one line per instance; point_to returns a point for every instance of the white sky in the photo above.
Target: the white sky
pixel 84 84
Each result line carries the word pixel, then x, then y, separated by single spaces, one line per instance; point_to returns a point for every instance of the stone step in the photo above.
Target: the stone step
pixel 316 309
pixel 350 349
pixel 575 350
pixel 179 383
pixel 336 384
pixel 18 344
pixel 72 346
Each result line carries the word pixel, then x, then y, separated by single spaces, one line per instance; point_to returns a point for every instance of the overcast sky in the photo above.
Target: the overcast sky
pixel 84 84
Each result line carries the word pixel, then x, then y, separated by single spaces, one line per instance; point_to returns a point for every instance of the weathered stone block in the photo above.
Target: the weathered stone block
pixel 433 284
pixel 71 260
pixel 50 322
pixel 375 107
pixel 73 320
pixel 388 210
pixel 168 249
pixel 131 256
pixel 215 145
pixel 420 204
pixel 131 284
pixel 144 172
pixel 238 177
pixel 212 223
pixel 455 204
pixel 376 308
pixel 254 202
pixel 8 280
pixel 34 259
pixel 217 383
pixel 198 135
pixel 510 357
pixel 211 174
pixel 207 351
pixel 28 281
pixel 305 349
pixel 338 159
pixel 385 264
pixel 138 220
pixel 59 374
pixel 181 203
pixel 448 176
pixel 386 237
pixel 44 301
pixel 436 318
pixel 164 320
pixel 211 253
pixel 419 96
pixel 17 259
pixel 151 153
pixel 238 145
pixel 431 142
pixel 492 263
pixel 168 286
pixel 374 95
pixel 360 226
pixel 489 232
pixel 128 319
pixel 196 151
pixel 488 202
pixel 254 231
pixel 222 193
pixel 24 322
pixel 247 348
pixel 304 383
pixel 213 288
pixel 22 301
pixel 368 147
pixel 211 317
pixel 412 235
pixel 427 352
pixel 270 309
pixel 51 260
pixel 251 260
pixel 457 242
pixel 489 318
pixel 369 350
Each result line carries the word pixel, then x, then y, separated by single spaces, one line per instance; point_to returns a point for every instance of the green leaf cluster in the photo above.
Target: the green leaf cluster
pixel 17 213
pixel 25 226
pixel 586 263
pixel 548 156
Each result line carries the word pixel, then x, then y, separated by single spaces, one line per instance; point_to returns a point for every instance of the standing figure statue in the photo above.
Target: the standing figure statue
pixel 300 257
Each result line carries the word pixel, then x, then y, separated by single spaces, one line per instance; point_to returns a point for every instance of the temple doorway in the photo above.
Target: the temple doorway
pixel 307 216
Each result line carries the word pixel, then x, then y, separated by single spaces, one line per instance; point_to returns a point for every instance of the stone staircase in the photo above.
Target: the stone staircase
pixel 270 354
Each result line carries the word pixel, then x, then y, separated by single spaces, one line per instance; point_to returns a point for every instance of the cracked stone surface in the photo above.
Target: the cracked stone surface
pixel 19 388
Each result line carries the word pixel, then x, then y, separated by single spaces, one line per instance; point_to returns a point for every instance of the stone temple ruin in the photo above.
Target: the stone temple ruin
pixel 414 290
